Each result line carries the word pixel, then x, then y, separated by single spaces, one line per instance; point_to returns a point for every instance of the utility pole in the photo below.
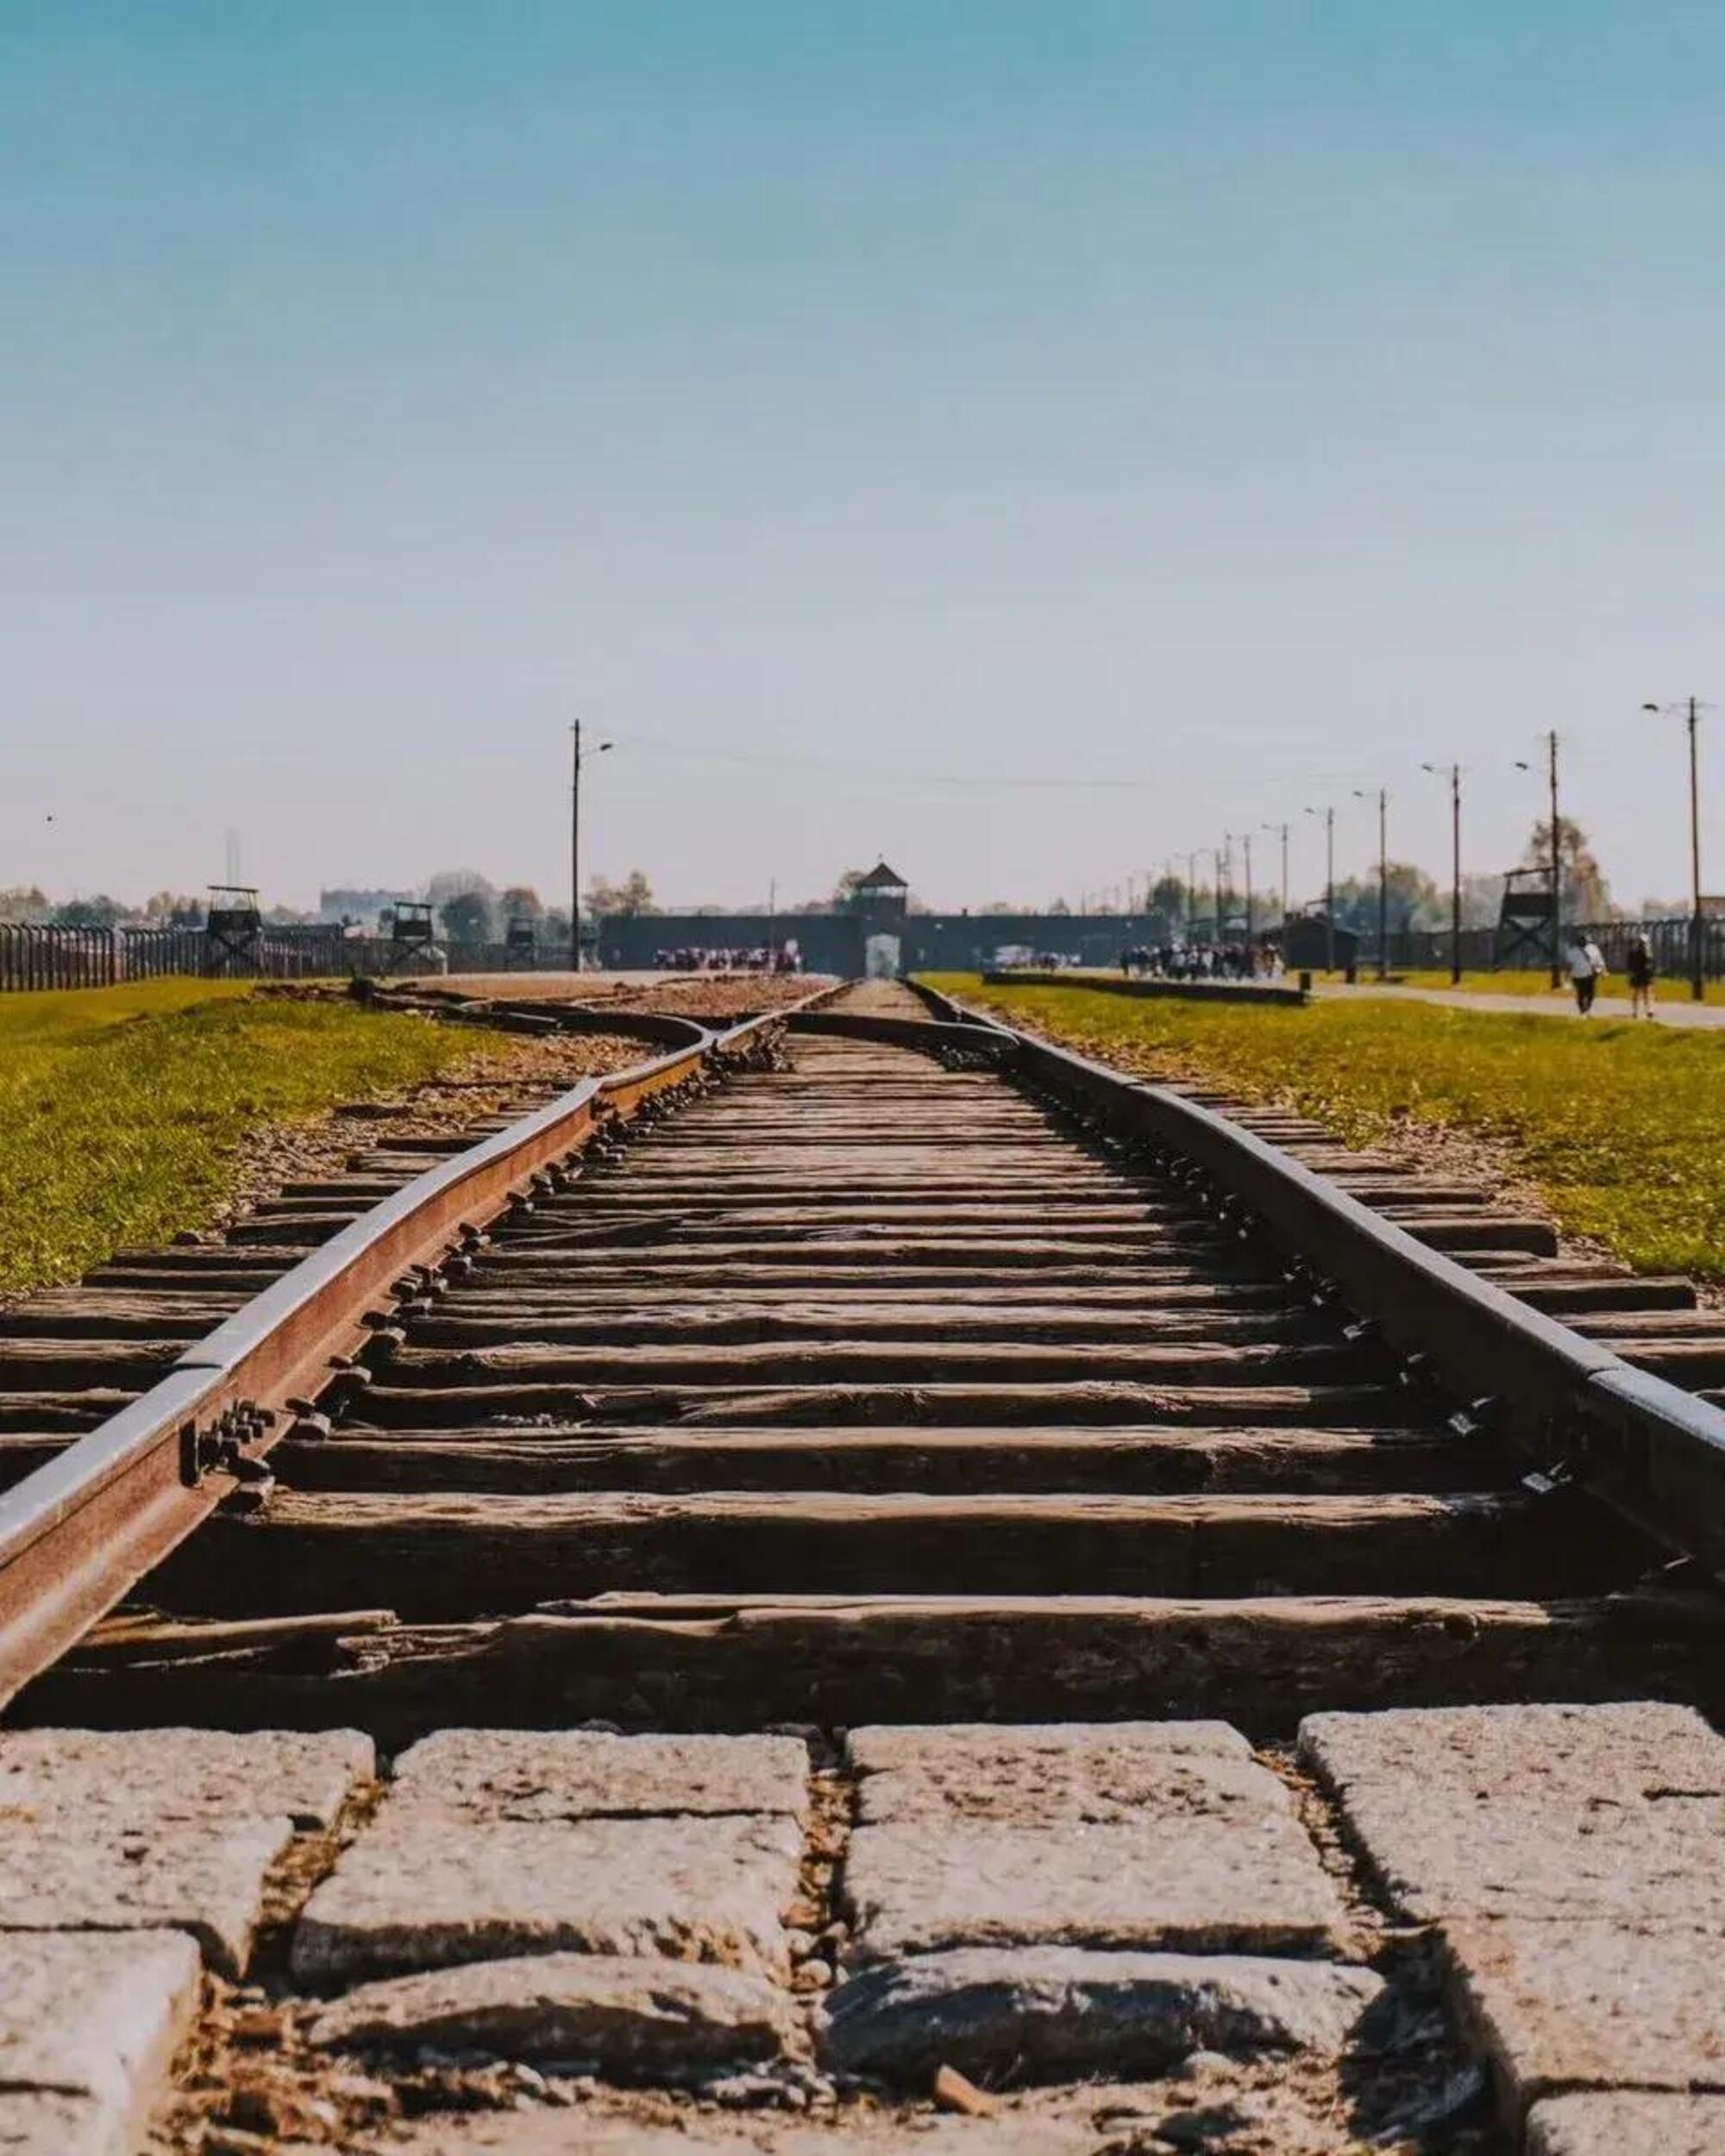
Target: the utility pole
pixel 1384 883
pixel 1191 894
pixel 1245 842
pixel 1690 708
pixel 580 757
pixel 1437 771
pixel 575 853
pixel 1697 987
pixel 1274 830
pixel 1382 876
pixel 1557 863
pixel 772 911
pixel 1329 817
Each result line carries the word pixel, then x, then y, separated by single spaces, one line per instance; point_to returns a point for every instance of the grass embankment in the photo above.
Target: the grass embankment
pixel 1622 1127
pixel 122 1110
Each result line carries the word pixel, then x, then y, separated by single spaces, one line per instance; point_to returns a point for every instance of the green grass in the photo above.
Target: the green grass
pixel 1515 982
pixel 123 1110
pixel 1622 1127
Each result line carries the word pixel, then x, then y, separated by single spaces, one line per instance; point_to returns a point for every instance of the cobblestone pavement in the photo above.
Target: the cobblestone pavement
pixel 1137 1936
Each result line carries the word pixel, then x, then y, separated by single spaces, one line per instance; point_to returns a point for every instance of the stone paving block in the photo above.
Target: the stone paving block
pixel 89 2022
pixel 1532 1811
pixel 967 1747
pixel 1596 2004
pixel 1112 1837
pixel 167 1774
pixel 111 1831
pixel 422 1888
pixel 1628 2125
pixel 1033 2132
pixel 638 2013
pixel 525 1774
pixel 43 2123
pixel 1194 1885
pixel 1059 2013
pixel 206 1879
pixel 1105 1772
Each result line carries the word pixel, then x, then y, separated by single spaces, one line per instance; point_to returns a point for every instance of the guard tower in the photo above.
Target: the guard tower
pixel 883 895
pixel 1526 919
pixel 520 940
pixel 880 902
pixel 233 931
pixel 412 935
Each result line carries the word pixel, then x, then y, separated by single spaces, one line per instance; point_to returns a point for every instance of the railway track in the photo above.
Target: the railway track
pixel 912 1379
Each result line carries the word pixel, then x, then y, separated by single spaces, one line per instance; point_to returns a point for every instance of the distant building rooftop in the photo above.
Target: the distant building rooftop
pixel 882 878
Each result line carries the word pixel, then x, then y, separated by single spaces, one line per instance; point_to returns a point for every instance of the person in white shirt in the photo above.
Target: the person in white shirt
pixel 1586 970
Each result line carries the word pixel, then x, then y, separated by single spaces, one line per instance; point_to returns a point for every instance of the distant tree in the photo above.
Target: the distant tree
pixel 467 916
pixel 1171 898
pixel 24 902
pixel 1482 900
pixel 633 895
pixel 1586 895
pixel 1059 905
pixel 1413 900
pixel 1001 905
pixel 521 902
pixel 101 912
pixel 452 883
pixel 173 909
pixel 845 889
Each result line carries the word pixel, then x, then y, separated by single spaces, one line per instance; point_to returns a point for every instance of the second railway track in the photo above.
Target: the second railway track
pixel 879 1387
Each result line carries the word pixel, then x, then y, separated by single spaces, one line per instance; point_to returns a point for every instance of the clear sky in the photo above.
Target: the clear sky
pixel 868 412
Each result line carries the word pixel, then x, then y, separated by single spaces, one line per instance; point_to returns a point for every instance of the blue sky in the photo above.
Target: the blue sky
pixel 1030 440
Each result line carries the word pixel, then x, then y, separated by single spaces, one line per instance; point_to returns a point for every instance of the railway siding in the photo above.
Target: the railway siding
pixel 1006 1589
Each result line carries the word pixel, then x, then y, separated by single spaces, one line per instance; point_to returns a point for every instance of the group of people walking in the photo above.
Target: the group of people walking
pixel 1202 962
pixel 759 958
pixel 1587 968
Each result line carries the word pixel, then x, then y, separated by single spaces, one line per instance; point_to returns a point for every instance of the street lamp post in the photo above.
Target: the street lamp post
pixel 1329 817
pixel 1453 773
pixel 579 758
pixel 1690 709
pixel 1281 830
pixel 1362 794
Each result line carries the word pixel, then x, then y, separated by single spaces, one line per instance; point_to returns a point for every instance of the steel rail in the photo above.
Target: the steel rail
pixel 77 1534
pixel 1576 1411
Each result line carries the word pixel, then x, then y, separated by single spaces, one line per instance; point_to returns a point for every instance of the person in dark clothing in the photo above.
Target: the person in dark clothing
pixel 1638 967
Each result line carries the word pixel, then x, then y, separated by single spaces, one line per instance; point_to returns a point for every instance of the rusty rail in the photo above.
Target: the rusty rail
pixel 1575 1411
pixel 77 1535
